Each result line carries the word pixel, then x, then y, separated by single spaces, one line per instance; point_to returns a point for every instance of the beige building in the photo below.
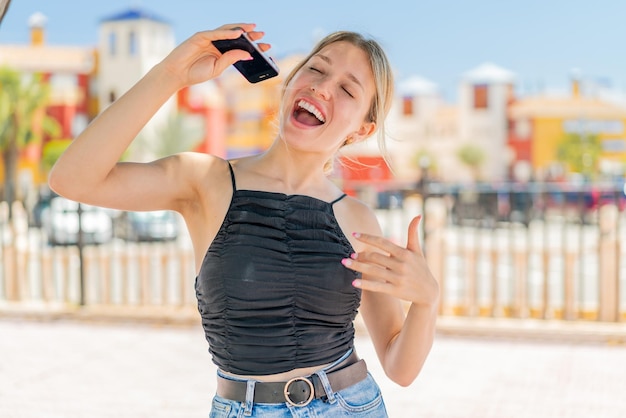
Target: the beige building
pixel 426 133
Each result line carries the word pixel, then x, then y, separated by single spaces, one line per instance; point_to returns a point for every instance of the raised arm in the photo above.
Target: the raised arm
pixel 89 170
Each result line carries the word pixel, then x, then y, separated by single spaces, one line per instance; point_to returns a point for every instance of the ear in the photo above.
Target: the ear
pixel 365 131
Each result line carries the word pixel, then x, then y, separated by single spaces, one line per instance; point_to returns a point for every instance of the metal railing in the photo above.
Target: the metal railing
pixel 118 274
pixel 546 266
pixel 542 251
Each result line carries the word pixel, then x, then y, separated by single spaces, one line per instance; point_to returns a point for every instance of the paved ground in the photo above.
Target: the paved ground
pixel 63 369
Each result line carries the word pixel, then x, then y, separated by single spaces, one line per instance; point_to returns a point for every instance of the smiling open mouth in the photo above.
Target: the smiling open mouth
pixel 307 114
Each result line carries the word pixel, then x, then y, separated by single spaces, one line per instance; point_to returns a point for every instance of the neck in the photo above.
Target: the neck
pixel 297 171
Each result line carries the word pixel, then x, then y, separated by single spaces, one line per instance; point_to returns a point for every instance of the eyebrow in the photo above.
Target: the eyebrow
pixel 351 76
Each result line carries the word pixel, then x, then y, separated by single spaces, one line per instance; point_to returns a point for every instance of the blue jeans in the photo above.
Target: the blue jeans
pixel 363 399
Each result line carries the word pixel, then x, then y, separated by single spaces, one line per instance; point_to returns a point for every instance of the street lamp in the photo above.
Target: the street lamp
pixel 81 262
pixel 424 164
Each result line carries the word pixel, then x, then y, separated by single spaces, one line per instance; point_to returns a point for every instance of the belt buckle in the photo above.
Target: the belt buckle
pixel 288 393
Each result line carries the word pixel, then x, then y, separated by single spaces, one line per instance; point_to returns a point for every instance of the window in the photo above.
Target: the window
pixel 112 44
pixel 132 43
pixel 407 106
pixel 481 96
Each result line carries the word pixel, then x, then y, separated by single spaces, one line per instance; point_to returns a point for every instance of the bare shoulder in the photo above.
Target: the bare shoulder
pixel 195 162
pixel 196 166
pixel 210 179
pixel 354 215
pixel 207 176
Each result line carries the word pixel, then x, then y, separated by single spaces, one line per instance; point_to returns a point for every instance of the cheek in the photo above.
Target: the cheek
pixel 298 81
pixel 358 109
pixel 350 118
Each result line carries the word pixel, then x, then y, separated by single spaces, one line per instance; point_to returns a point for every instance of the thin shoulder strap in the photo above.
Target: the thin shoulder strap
pixel 338 199
pixel 232 176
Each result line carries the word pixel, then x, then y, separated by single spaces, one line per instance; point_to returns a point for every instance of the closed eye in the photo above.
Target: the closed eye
pixel 315 69
pixel 347 92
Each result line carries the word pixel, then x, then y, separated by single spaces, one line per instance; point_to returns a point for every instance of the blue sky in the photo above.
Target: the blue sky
pixel 541 41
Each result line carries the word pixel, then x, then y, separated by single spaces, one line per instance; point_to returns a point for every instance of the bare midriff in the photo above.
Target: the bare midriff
pixel 279 377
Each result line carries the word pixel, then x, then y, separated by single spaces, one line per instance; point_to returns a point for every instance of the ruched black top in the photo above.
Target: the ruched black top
pixel 272 292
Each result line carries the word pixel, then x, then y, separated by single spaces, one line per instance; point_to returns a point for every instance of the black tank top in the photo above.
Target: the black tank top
pixel 272 292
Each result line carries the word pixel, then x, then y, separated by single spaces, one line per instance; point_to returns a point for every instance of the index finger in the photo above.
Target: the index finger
pixel 244 27
pixel 377 241
pixel 239 28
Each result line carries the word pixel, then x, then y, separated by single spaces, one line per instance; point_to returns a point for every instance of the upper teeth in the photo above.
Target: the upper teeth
pixel 310 108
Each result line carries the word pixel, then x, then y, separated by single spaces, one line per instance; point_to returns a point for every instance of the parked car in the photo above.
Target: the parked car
pixel 61 223
pixel 160 225
pixel 487 204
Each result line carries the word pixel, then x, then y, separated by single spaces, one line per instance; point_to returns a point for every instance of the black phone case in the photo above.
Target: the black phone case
pixel 258 69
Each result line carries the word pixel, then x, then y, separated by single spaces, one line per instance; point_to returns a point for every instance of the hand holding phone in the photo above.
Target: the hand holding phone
pixel 259 68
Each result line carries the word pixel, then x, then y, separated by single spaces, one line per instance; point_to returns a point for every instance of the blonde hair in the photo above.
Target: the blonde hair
pixel 383 79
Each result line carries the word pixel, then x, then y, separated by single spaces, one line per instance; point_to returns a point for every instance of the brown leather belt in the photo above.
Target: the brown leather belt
pixel 298 391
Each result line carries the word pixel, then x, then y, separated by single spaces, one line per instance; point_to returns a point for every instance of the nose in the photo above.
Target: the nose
pixel 320 90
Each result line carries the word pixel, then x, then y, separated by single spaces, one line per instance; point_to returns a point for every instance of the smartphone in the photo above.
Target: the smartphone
pixel 259 68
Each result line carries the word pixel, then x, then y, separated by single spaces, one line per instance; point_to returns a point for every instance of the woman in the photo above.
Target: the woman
pixel 284 258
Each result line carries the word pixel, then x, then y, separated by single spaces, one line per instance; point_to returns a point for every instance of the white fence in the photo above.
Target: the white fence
pixel 551 269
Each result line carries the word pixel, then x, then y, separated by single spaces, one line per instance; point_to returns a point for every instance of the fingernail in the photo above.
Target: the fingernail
pixel 356 234
pixel 354 256
pixel 346 262
pixel 356 283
